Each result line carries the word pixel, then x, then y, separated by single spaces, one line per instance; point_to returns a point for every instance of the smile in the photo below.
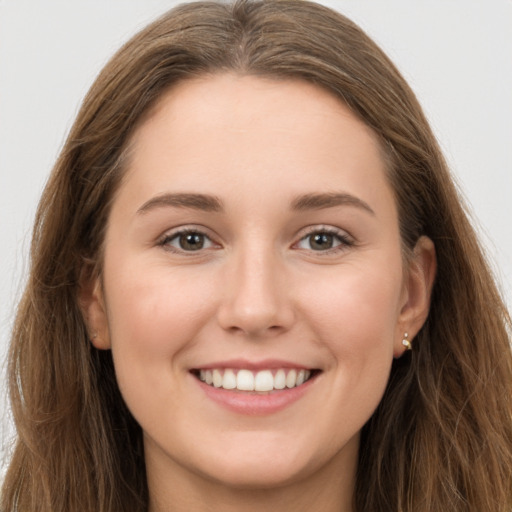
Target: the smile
pixel 259 381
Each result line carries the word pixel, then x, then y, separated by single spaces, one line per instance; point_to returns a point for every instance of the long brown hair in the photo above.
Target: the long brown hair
pixel 441 439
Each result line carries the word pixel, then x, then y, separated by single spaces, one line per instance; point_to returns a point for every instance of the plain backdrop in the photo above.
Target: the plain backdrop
pixel 456 54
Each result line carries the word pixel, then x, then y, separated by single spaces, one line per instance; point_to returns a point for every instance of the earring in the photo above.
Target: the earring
pixel 94 336
pixel 406 343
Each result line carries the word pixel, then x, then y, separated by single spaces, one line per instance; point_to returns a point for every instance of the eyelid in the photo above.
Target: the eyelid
pixel 173 233
pixel 345 239
pixel 343 236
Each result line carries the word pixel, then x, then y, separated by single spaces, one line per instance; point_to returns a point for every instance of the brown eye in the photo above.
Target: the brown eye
pixel 187 241
pixel 191 241
pixel 324 240
pixel 321 241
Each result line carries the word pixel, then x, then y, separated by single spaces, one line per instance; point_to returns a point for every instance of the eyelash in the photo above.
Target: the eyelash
pixel 344 240
pixel 168 238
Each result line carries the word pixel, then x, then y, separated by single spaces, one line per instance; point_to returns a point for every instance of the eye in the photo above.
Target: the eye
pixel 187 241
pixel 323 240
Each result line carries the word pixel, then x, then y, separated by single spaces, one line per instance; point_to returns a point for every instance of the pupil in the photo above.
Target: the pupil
pixel 192 241
pixel 321 241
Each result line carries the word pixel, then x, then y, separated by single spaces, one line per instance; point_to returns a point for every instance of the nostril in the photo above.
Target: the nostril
pixel 255 305
pixel 256 331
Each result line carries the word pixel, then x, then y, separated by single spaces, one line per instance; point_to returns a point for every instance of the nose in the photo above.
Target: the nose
pixel 256 299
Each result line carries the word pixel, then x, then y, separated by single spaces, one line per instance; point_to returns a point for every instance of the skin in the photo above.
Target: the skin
pixel 258 289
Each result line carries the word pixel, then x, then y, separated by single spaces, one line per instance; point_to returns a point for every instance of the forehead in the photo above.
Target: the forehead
pixel 219 133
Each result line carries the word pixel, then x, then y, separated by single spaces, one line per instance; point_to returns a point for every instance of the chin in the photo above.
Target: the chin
pixel 268 463
pixel 257 475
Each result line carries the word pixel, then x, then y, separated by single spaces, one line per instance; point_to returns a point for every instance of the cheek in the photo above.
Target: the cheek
pixel 354 312
pixel 153 314
pixel 153 302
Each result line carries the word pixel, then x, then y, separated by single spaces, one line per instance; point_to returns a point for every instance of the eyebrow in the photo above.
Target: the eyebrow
pixel 329 200
pixel 202 202
pixel 209 203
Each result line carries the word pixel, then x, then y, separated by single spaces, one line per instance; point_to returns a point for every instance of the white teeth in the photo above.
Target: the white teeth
pixel 217 378
pixel 291 379
pixel 280 380
pixel 247 380
pixel 229 380
pixel 264 381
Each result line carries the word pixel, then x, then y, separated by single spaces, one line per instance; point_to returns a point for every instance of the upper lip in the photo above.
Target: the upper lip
pixel 264 364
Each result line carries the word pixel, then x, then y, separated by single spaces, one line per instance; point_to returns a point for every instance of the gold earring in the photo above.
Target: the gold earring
pixel 406 343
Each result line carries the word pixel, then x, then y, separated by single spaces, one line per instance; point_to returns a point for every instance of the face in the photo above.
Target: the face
pixel 253 290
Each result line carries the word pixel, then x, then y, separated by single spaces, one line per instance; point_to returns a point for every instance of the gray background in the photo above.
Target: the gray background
pixel 456 54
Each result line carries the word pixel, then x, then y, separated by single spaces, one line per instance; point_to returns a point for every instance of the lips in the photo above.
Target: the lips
pixel 250 388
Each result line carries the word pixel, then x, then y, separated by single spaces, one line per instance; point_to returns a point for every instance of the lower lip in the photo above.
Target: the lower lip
pixel 254 404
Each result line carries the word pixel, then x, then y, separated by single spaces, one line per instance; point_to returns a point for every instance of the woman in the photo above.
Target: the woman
pixel 248 228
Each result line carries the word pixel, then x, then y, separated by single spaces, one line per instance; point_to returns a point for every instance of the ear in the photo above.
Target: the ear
pixel 92 304
pixel 418 283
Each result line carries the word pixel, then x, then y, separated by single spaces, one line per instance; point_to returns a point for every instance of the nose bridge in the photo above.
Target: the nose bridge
pixel 256 299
